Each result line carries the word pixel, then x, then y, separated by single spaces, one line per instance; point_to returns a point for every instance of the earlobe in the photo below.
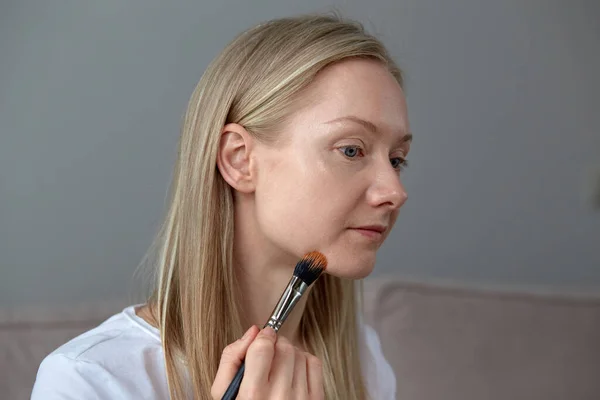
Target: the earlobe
pixel 233 158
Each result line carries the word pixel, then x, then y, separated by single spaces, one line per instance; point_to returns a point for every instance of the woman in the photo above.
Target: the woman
pixel 293 141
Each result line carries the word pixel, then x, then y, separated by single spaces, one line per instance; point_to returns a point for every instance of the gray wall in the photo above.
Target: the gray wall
pixel 503 100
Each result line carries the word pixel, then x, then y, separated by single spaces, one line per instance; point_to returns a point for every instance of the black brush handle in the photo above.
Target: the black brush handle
pixel 234 387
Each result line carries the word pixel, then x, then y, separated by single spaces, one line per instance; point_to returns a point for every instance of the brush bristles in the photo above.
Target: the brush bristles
pixel 310 267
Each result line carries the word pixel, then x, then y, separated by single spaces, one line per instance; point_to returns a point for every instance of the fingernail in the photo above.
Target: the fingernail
pixel 247 334
pixel 268 331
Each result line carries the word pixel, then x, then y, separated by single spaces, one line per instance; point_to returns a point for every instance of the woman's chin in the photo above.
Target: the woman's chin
pixel 349 262
pixel 352 270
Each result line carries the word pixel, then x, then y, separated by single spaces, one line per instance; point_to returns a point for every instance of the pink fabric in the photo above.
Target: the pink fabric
pixel 457 344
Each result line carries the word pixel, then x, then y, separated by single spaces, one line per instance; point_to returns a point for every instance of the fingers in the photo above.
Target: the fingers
pixel 274 368
pixel 315 377
pixel 258 361
pixel 282 370
pixel 231 359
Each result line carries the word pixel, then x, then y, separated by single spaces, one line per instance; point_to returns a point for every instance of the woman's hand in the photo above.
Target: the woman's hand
pixel 275 369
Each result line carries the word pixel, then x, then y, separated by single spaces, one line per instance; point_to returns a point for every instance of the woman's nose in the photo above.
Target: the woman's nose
pixel 387 189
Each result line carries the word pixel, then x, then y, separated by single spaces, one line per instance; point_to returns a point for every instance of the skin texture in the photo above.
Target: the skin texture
pixel 325 175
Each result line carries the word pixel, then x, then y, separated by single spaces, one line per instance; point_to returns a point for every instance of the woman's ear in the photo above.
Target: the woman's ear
pixel 233 158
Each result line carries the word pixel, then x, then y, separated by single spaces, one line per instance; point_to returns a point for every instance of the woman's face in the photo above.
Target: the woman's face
pixel 333 181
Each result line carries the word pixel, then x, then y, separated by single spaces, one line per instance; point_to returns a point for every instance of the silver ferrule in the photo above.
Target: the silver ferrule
pixel 294 290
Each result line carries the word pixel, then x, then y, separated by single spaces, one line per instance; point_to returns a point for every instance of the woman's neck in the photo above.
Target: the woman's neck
pixel 262 271
pixel 260 290
pixel 261 284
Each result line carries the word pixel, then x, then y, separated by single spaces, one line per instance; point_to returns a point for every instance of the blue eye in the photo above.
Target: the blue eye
pixel 350 151
pixel 399 163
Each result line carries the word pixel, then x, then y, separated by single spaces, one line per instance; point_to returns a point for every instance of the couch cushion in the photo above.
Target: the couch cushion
pixel 28 334
pixel 456 344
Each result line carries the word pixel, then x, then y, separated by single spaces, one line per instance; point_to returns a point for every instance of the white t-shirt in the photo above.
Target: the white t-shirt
pixel 122 358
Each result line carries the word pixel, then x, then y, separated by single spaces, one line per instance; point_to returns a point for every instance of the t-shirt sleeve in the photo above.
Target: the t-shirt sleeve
pixel 381 376
pixel 62 378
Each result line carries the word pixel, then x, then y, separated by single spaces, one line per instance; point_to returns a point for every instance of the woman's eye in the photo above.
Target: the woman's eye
pixel 350 151
pixel 399 163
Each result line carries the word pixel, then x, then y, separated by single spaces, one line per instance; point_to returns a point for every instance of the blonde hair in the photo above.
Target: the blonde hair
pixel 253 82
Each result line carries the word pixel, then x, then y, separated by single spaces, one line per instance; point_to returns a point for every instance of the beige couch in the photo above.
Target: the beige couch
pixel 443 342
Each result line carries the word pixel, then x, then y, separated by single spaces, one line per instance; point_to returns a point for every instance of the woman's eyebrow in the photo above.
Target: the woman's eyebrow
pixel 369 126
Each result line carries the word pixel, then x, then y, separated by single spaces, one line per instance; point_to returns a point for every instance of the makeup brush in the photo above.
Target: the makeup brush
pixel 307 270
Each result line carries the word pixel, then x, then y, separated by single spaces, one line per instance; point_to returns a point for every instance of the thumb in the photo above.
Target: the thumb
pixel 231 359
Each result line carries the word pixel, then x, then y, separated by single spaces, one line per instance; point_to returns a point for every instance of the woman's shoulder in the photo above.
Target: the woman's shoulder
pixel 380 377
pixel 120 358
pixel 118 336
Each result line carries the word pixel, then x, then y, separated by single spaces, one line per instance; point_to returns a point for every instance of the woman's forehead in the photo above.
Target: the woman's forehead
pixel 355 92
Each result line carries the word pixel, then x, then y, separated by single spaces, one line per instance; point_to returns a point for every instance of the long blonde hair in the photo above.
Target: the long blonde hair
pixel 253 82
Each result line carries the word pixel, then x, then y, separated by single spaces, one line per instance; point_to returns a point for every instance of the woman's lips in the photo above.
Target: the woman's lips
pixel 374 233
